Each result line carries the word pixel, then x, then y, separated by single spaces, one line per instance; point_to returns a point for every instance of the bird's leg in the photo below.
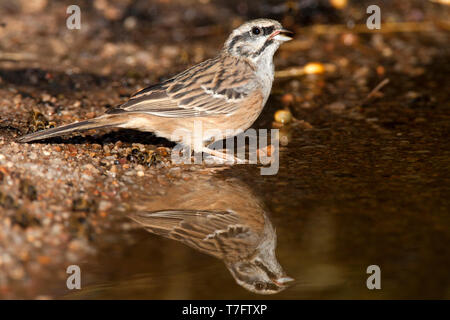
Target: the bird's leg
pixel 223 156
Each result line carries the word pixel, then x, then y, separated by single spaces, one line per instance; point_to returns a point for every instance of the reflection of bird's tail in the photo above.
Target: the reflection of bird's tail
pixel 96 123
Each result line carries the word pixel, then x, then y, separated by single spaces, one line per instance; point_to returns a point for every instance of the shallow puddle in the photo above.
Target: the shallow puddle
pixel 364 169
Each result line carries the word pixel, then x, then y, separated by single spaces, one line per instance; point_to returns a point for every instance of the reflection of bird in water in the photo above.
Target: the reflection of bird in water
pixel 221 218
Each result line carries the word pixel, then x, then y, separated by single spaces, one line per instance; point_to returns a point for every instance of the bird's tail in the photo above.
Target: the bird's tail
pixel 96 123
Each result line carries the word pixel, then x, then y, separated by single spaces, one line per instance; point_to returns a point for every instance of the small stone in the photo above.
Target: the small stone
pixel 44 260
pixel 84 205
pixel 314 68
pixel 287 99
pixel 104 205
pixel 336 107
pixel 283 116
pixel 17 273
pixel 349 39
pixel 175 172
pixel 28 190
pixel 339 4
pixel 130 23
pixel 285 136
pixel 46 97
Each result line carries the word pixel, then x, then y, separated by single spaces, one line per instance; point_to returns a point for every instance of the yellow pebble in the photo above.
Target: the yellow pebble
pixel 339 4
pixel 314 68
pixel 283 116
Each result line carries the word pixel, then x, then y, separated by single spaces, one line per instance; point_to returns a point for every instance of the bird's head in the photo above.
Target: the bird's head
pixel 257 38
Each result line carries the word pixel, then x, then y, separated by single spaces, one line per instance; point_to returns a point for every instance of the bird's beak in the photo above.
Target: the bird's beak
pixel 283 281
pixel 281 35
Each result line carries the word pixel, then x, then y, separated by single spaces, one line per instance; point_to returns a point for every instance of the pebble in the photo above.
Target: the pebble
pixel 314 68
pixel 287 99
pixel 283 116
pixel 339 4
pixel 336 107
pixel 130 23
pixel 104 205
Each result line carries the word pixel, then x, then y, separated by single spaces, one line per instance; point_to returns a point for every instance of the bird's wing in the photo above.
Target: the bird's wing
pixel 217 233
pixel 213 87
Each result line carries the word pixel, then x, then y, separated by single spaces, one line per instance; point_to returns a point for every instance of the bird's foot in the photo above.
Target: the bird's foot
pixel 218 157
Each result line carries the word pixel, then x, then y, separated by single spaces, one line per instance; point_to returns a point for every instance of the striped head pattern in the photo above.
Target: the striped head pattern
pixel 256 38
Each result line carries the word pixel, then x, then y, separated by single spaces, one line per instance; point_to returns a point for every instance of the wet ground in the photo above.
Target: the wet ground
pixel 363 179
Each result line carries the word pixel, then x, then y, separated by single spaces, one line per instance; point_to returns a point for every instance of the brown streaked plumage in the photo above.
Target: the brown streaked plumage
pixel 224 93
pixel 221 218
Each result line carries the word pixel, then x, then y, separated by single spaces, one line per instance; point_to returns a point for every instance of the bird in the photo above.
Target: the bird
pixel 227 93
pixel 221 218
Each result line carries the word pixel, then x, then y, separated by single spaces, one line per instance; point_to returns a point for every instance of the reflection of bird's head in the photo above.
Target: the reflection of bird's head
pixel 261 273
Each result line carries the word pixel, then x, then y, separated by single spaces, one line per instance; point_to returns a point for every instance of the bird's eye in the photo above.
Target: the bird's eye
pixel 256 30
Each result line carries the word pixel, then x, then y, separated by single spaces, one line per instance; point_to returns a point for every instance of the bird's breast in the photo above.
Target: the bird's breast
pixel 265 75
